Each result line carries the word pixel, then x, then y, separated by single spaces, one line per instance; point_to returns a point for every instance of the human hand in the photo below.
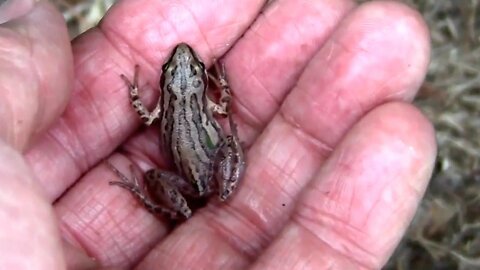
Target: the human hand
pixel 337 158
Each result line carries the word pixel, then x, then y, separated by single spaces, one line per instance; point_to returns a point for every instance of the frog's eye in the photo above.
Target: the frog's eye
pixel 164 67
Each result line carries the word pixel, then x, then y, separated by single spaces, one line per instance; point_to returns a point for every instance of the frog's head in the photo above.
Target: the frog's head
pixel 184 70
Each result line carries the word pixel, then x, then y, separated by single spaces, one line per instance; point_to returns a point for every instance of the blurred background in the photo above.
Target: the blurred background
pixel 445 233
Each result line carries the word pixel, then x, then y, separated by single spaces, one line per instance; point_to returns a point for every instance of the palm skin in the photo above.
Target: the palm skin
pixel 338 159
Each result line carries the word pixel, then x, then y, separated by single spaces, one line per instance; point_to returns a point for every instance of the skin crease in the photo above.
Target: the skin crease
pixel 335 152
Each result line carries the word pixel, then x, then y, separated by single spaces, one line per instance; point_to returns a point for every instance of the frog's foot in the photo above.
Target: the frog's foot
pixel 139 193
pixel 217 109
pixel 170 188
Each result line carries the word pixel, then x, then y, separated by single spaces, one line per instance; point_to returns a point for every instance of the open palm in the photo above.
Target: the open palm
pixel 337 158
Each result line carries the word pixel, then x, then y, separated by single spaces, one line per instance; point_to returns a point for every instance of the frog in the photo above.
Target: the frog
pixel 206 159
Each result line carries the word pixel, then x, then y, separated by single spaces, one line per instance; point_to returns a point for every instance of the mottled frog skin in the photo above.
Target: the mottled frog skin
pixel 206 160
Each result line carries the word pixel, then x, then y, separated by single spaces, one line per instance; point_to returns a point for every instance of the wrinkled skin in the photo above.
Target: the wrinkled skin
pixel 338 159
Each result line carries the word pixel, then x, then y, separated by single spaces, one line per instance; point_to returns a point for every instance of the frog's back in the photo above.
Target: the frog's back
pixel 193 140
pixel 190 135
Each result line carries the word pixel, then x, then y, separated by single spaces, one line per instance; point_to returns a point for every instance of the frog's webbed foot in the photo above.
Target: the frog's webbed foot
pixel 139 193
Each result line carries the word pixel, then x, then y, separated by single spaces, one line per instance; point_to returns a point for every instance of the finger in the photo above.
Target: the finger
pixel 372 183
pixel 343 82
pixel 35 70
pixel 28 232
pixel 99 116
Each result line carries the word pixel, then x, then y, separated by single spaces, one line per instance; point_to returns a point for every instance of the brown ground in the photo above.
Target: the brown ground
pixel 446 231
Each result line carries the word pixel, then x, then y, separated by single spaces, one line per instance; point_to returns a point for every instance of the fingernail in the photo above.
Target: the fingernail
pixel 12 9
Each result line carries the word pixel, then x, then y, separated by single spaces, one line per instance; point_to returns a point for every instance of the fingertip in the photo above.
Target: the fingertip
pixel 399 19
pixel 401 132
pixel 409 119
pixel 406 123
pixel 399 37
pixel 402 157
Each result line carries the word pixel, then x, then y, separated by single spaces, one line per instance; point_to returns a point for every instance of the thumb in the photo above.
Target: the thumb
pixel 35 75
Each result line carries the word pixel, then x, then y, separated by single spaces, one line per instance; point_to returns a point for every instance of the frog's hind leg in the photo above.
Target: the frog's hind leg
pixel 141 194
pixel 170 188
pixel 229 163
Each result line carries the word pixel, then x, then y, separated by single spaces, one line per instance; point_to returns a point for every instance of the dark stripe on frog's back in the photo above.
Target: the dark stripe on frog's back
pixel 168 100
pixel 165 103
pixel 182 162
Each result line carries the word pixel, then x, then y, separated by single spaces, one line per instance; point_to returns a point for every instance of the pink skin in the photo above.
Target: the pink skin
pixel 338 158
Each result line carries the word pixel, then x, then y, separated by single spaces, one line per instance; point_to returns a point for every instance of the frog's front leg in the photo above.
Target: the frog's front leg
pixel 229 163
pixel 159 187
pixel 137 104
pixel 223 105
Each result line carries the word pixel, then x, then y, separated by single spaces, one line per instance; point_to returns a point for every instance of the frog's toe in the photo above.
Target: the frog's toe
pixel 186 212
pixel 225 194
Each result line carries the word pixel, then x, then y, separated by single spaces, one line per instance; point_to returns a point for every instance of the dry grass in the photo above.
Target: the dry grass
pixel 445 233
pixel 82 15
